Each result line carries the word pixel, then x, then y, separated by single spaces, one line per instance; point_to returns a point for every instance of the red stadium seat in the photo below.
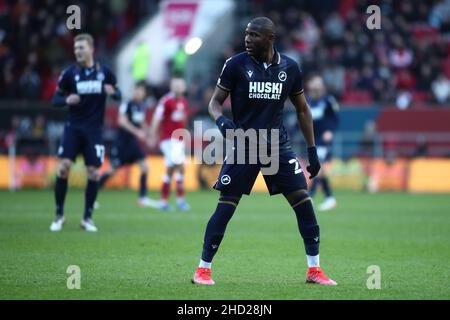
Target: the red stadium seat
pixel 361 97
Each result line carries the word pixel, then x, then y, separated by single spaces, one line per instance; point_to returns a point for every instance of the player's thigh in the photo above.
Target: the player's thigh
pixel 71 142
pixel 289 176
pixel 237 178
pixel 93 149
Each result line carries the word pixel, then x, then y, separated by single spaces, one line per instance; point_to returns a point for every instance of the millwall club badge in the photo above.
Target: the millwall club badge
pixel 100 76
pixel 282 76
pixel 225 179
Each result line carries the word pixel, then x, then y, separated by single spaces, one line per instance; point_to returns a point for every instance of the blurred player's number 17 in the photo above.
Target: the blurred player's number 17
pixel 297 168
pixel 100 150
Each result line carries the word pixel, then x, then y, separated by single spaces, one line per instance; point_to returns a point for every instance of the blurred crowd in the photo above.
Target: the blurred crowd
pixel 35 42
pixel 406 61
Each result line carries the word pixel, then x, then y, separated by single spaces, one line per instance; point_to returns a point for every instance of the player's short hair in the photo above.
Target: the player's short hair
pixel 84 37
pixel 140 83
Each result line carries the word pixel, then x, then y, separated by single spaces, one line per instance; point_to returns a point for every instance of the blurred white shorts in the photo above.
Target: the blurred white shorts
pixel 173 151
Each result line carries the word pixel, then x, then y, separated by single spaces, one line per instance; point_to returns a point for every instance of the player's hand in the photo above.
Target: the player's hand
pixel 224 123
pixel 327 136
pixel 73 99
pixel 141 134
pixel 314 164
pixel 109 89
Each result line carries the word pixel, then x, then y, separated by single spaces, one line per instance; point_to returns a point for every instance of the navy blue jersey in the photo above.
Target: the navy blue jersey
pixel 88 83
pixel 135 113
pixel 258 91
pixel 324 113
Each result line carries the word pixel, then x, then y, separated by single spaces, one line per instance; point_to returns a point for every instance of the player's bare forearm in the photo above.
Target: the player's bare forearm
pixel 127 125
pixel 154 127
pixel 215 106
pixel 304 118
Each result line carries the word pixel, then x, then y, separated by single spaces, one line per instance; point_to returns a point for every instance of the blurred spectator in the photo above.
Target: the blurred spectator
pixel 441 89
pixel 141 62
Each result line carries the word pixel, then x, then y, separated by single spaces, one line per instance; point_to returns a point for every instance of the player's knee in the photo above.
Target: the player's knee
pixel 170 171
pixel 296 196
pixel 93 173
pixel 64 169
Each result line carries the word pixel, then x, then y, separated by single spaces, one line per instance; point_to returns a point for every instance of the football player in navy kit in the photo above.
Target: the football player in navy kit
pixel 324 109
pixel 126 149
pixel 258 82
pixel 83 87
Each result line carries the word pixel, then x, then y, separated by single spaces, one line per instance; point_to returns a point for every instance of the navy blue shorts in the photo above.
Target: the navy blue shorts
pixel 126 151
pixel 87 142
pixel 239 179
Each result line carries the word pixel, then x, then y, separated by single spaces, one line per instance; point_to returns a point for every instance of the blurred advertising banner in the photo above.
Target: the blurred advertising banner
pixel 372 175
pixel 179 17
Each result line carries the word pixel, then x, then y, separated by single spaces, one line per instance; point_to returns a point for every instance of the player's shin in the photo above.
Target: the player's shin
pixel 143 185
pixel 165 189
pixel 90 196
pixel 60 194
pixel 326 187
pixel 216 227
pixel 103 179
pixel 314 184
pixel 180 185
pixel 308 227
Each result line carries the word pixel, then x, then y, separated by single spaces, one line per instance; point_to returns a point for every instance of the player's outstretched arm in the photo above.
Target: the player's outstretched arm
pixel 113 91
pixel 304 118
pixel 61 100
pixel 215 106
pixel 305 122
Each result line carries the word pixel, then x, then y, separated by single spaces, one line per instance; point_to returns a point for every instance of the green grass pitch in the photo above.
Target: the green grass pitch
pixel 144 254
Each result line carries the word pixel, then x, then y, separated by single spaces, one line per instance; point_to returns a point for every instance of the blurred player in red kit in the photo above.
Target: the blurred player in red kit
pixel 170 115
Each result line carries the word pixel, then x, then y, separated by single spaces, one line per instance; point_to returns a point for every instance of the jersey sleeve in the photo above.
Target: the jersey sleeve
pixel 110 77
pixel 64 82
pixel 226 80
pixel 297 82
pixel 160 108
pixel 123 108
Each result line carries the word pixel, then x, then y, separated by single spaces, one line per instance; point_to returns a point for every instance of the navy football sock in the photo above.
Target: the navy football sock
pixel 143 185
pixel 217 225
pixel 312 189
pixel 60 194
pixel 326 187
pixel 89 198
pixel 103 179
pixel 307 224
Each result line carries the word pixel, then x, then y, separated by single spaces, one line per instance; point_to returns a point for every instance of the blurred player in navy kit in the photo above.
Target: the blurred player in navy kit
pixel 258 82
pixel 84 87
pixel 126 149
pixel 324 109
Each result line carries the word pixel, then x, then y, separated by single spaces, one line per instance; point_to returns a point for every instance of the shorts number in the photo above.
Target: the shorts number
pixel 297 168
pixel 100 150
